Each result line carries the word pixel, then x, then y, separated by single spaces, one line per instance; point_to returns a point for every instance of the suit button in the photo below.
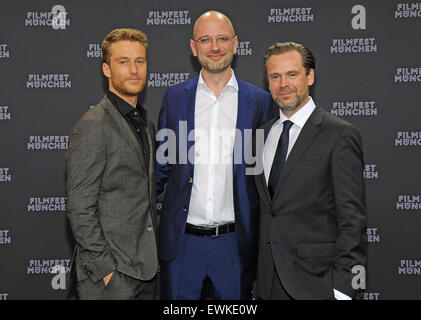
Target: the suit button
pixel 184 209
pixel 190 180
pixel 268 244
pixel 149 227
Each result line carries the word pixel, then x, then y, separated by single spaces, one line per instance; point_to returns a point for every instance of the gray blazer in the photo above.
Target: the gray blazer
pixel 111 196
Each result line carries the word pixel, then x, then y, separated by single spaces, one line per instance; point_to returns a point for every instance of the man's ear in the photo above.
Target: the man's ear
pixel 193 47
pixel 310 78
pixel 106 70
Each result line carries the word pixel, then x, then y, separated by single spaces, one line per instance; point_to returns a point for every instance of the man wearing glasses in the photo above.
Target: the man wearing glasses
pixel 209 219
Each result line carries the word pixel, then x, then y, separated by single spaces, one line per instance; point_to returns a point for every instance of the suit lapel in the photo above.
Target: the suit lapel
pixel 260 179
pixel 122 128
pixel 188 107
pixel 151 141
pixel 244 121
pixel 307 134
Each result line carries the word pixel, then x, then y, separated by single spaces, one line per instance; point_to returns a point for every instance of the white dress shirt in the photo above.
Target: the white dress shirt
pixel 298 119
pixel 212 199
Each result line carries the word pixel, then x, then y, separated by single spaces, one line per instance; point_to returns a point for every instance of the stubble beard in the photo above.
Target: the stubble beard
pixel 127 89
pixel 216 67
pixel 291 106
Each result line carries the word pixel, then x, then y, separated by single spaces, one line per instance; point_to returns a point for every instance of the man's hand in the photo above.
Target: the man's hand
pixel 107 278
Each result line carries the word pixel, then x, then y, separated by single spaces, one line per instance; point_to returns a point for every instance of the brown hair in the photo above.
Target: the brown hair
pixel 122 34
pixel 309 62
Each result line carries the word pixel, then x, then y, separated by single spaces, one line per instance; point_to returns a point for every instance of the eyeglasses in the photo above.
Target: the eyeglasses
pixel 206 40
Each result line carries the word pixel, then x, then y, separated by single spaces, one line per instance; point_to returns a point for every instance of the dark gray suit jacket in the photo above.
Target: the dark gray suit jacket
pixel 315 225
pixel 111 196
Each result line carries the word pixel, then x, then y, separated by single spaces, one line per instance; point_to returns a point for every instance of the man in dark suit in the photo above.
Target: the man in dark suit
pixel 312 194
pixel 209 220
pixel 111 181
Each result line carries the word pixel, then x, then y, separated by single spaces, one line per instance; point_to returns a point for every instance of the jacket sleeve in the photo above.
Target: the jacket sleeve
pixel 86 160
pixel 350 208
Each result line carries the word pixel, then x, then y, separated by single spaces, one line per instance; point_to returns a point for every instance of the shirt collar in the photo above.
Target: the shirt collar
pixel 232 83
pixel 124 107
pixel 301 116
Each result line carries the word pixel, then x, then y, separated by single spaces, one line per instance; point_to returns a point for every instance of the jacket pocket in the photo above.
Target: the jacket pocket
pixel 121 237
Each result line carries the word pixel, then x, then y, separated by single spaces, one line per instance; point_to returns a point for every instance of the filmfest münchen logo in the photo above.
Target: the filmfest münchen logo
pixel 408 202
pixel 410 267
pixel 94 50
pixel 166 79
pixel 4 52
pixel 408 138
pixel 48 266
pixel 4 113
pixel 408 10
pixel 244 49
pixel 48 142
pixel 47 204
pixel 56 18
pixel 282 15
pixel 354 108
pixel 5 175
pixel 353 45
pixel 164 18
pixel 370 172
pixel 49 81
pixel 3 296
pixel 408 74
pixel 371 296
pixel 373 235
pixel 5 238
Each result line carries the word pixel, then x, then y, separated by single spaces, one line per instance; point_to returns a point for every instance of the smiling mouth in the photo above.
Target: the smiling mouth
pixel 284 94
pixel 215 56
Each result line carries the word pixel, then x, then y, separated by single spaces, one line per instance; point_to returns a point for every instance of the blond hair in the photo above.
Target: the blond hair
pixel 122 34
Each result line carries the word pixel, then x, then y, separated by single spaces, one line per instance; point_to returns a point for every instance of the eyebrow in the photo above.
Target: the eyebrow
pixel 219 34
pixel 289 71
pixel 121 58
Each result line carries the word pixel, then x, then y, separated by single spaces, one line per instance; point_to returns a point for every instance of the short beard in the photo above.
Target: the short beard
pixel 119 87
pixel 292 106
pixel 208 67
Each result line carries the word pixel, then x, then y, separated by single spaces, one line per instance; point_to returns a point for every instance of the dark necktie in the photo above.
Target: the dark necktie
pixel 280 156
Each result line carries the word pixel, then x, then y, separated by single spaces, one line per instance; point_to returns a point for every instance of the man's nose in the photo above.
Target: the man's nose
pixel 132 67
pixel 283 82
pixel 214 44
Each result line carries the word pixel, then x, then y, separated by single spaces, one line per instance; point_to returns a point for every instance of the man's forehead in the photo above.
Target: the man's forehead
pixel 127 45
pixel 284 67
pixel 290 57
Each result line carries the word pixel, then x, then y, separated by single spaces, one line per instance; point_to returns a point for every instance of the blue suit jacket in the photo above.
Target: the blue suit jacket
pixel 254 108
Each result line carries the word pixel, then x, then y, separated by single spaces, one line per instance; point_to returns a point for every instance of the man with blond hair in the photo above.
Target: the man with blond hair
pixel 209 220
pixel 111 181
